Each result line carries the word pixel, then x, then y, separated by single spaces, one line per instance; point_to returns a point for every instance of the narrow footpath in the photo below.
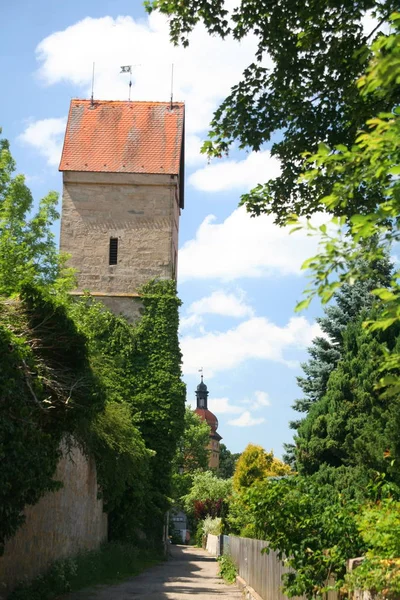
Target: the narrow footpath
pixel 189 572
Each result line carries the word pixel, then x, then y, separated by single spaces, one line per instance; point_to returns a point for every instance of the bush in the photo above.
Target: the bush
pixel 227 568
pixel 379 526
pixel 212 526
pixel 198 538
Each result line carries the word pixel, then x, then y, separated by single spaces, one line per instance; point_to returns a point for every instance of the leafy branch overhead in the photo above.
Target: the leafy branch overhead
pixel 299 91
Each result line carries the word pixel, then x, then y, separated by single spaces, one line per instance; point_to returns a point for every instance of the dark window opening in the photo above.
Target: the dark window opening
pixel 113 251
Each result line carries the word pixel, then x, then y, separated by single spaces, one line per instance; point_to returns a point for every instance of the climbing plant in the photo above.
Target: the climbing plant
pixel 47 391
pixel 139 367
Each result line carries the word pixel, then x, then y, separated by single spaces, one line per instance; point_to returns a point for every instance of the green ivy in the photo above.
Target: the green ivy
pixel 47 391
pixel 139 368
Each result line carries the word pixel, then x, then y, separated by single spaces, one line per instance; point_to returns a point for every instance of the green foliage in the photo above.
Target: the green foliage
pixel 198 538
pixel 254 465
pixel 28 252
pixel 227 462
pixel 379 526
pixel 206 486
pixel 48 392
pixel 192 452
pixel 139 368
pixel 350 301
pixel 310 524
pixel 227 568
pixel 212 525
pixel 122 459
pixel 371 163
pixel 305 95
pixel 112 563
pixel 353 424
pixel 176 537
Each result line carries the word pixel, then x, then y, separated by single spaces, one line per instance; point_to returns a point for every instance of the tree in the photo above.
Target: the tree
pixel 307 96
pixel 350 301
pixel 255 464
pixel 27 248
pixel 372 162
pixel 192 452
pixel 227 462
pixel 325 352
pixel 209 489
pixel 353 424
pixel 311 526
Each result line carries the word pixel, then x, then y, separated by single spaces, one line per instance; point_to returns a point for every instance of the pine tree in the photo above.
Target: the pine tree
pixel 325 352
pixel 354 424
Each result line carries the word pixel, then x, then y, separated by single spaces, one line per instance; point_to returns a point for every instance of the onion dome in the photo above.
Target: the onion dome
pixel 208 416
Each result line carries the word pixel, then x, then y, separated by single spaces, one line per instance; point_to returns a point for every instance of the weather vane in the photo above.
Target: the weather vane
pixel 128 69
pixel 201 371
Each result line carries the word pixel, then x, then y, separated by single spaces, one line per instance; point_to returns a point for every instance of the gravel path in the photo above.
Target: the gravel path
pixel 189 572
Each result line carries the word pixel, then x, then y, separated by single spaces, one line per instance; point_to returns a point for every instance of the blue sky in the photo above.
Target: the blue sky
pixel 239 278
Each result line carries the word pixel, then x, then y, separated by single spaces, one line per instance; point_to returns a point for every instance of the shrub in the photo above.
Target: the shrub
pixel 227 568
pixel 212 526
pixel 198 538
pixel 379 526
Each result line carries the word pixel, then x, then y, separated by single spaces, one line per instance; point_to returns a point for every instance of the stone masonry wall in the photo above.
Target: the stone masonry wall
pixel 142 211
pixel 61 524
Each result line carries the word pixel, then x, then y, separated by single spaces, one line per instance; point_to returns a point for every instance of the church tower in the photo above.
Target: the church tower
pixel 207 415
pixel 123 190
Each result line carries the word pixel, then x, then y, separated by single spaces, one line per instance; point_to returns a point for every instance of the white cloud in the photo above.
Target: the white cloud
pixel 193 157
pixel 246 420
pixel 189 322
pixel 46 136
pixel 203 73
pixel 242 246
pixel 256 338
pixel 223 406
pixel 258 167
pixel 259 400
pixel 222 303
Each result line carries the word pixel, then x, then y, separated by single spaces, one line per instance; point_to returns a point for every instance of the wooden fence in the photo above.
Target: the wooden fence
pixel 263 572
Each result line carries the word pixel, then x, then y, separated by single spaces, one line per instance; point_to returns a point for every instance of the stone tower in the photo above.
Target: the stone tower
pixel 207 415
pixel 123 189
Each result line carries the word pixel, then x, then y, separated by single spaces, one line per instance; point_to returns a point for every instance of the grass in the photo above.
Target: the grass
pixel 112 563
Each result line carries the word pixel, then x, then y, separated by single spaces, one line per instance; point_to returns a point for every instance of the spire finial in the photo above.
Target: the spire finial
pixel 201 371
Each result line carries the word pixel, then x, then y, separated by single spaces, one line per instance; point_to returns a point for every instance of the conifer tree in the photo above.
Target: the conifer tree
pixel 354 424
pixel 325 352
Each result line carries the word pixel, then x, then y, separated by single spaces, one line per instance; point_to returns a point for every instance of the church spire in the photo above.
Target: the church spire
pixel 201 394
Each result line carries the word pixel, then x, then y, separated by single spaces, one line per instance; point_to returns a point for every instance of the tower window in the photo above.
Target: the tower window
pixel 113 260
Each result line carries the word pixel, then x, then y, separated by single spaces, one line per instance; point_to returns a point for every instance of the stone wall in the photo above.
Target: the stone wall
pixel 141 211
pixel 129 306
pixel 59 525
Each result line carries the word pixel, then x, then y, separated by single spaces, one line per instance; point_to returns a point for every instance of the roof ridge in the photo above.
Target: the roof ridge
pixel 180 102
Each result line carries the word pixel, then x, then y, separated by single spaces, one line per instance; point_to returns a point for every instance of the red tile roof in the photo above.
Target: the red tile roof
pixel 123 137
